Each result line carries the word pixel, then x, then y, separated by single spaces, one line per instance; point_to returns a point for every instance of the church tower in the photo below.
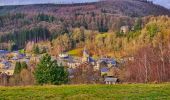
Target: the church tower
pixel 85 55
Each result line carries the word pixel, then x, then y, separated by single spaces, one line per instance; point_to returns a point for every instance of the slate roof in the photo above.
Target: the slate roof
pixel 90 59
pixel 108 61
pixel 109 79
pixel 104 69
pixel 3 52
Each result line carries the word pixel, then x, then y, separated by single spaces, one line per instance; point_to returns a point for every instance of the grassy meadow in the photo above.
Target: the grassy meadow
pixel 88 92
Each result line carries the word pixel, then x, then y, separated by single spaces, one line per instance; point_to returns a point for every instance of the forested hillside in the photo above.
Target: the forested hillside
pixel 54 20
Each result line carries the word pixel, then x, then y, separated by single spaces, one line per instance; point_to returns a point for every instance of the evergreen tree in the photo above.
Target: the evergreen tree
pixel 43 17
pixel 49 72
pixel 36 49
pixel 17 68
pixel 20 38
pixel 24 65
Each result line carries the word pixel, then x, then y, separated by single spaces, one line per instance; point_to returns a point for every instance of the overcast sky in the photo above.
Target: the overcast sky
pixel 165 3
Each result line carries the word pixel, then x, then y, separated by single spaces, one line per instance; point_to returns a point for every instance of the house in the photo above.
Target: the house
pixel 69 61
pixel 3 53
pixel 9 72
pixel 104 71
pixel 8 68
pixel 72 63
pixel 124 29
pixel 110 62
pixel 63 56
pixel 16 55
pixel 105 64
pixel 5 64
pixel 97 66
pixel 110 80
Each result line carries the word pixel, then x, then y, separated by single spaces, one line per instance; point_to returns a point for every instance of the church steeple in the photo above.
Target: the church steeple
pixel 85 55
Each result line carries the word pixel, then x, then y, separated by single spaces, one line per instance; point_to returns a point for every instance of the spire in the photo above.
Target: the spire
pixel 85 52
pixel 85 55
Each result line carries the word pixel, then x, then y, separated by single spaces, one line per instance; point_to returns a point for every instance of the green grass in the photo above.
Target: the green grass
pixel 88 92
pixel 76 52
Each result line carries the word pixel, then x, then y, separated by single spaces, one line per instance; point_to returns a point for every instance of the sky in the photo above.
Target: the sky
pixel 165 3
pixel 20 2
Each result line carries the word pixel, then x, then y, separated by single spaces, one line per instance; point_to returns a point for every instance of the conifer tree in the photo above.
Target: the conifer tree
pixel 17 68
pixel 49 72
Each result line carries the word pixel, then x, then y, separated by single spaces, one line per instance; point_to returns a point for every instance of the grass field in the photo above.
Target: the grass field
pixel 76 52
pixel 88 92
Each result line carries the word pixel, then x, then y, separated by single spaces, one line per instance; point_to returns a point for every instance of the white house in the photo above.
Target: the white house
pixel 110 80
pixel 124 29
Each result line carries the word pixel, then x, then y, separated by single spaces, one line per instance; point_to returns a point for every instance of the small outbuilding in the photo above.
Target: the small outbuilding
pixel 110 80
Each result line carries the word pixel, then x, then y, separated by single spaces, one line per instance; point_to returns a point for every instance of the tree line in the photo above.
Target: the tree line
pixel 18 39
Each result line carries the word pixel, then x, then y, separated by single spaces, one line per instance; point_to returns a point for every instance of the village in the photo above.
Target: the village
pixel 105 67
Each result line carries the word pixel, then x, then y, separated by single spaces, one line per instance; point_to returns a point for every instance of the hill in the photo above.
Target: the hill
pixel 75 15
pixel 133 8
pixel 90 92
pixel 57 19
